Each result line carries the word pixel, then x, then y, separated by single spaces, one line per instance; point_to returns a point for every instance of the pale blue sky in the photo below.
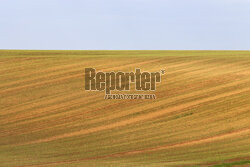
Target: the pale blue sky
pixel 125 24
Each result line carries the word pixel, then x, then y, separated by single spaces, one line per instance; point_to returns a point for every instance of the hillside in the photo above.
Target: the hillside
pixel 201 116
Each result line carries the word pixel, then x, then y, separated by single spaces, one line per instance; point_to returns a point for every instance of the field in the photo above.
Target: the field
pixel 201 116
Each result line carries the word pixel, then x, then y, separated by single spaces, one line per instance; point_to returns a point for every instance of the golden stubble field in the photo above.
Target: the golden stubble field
pixel 201 116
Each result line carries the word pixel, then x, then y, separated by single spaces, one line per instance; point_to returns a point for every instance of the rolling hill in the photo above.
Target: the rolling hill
pixel 201 116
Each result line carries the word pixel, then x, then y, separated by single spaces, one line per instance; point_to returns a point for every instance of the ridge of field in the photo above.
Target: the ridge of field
pixel 201 116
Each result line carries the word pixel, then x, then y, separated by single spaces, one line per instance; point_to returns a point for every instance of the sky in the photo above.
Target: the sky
pixel 125 24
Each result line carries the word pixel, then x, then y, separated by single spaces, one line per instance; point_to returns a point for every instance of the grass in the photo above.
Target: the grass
pixel 200 117
pixel 233 164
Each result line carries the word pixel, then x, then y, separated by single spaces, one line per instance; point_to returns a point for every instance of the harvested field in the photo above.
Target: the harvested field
pixel 201 116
